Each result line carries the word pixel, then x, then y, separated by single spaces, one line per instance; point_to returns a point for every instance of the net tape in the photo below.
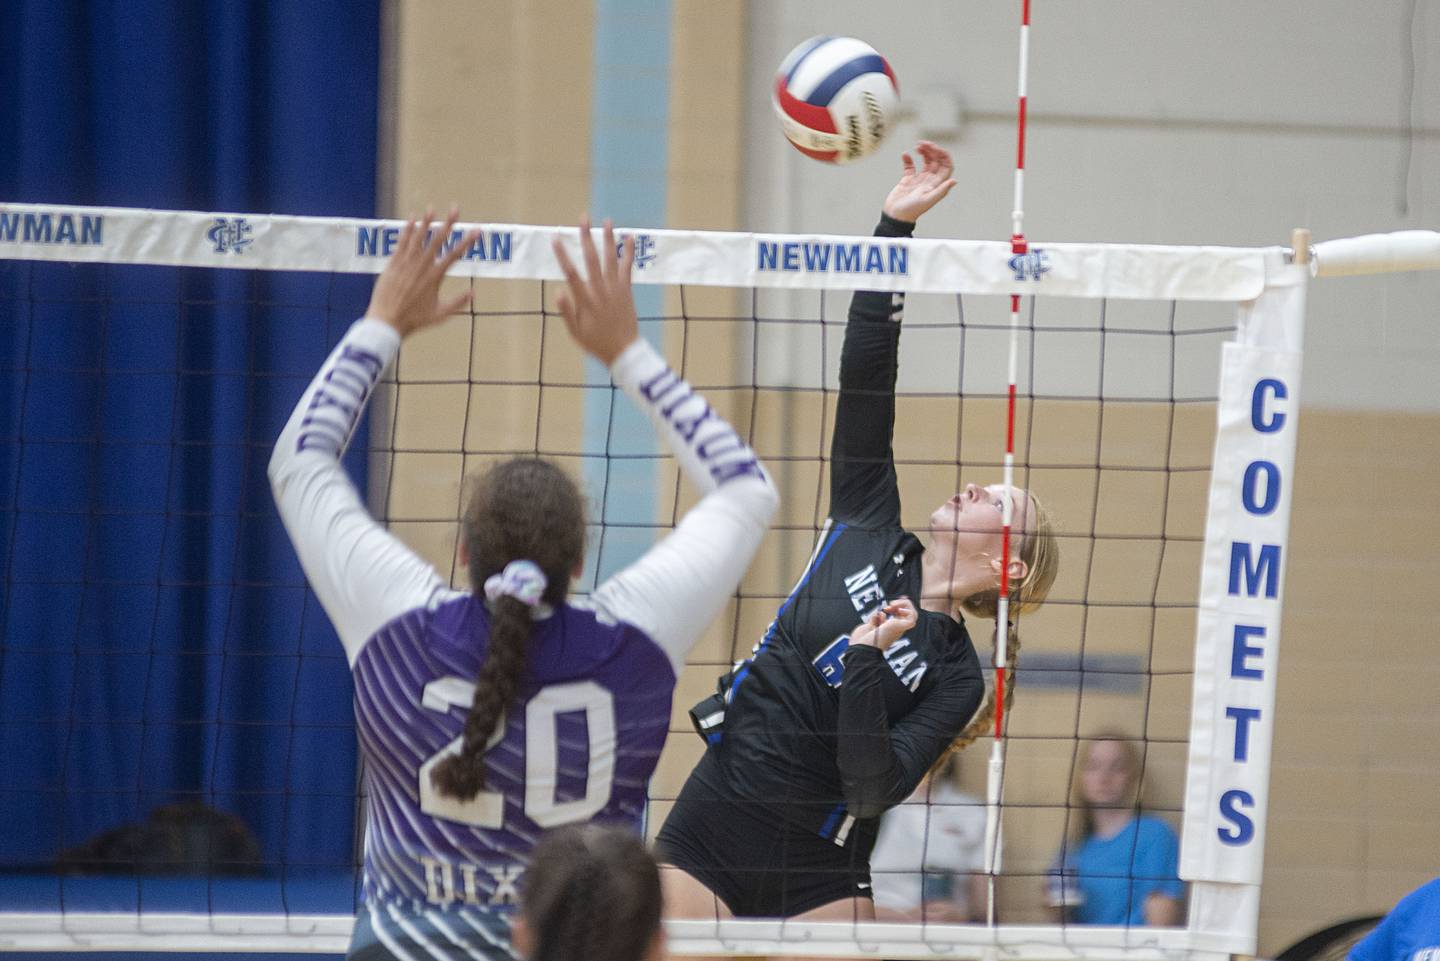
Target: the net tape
pixel 706 258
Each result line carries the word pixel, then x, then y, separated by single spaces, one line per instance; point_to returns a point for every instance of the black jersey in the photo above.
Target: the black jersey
pixel 823 735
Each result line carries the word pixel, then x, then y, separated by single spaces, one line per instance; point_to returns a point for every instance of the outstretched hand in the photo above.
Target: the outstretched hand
pixel 599 309
pixel 886 624
pixel 407 293
pixel 921 188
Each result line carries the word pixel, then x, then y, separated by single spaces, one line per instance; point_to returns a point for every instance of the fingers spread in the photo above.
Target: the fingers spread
pixel 587 247
pixel 459 249
pixel 407 237
pixel 608 262
pixel 627 258
pixel 426 231
pixel 577 295
pixel 567 266
pixel 437 243
pixel 455 304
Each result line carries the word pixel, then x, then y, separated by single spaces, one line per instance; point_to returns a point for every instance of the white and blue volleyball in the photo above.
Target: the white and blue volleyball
pixel 836 98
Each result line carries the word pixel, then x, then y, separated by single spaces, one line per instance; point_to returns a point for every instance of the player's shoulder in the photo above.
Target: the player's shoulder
pixel 1424 900
pixel 949 637
pixel 445 614
pixel 864 563
pixel 586 633
pixel 856 534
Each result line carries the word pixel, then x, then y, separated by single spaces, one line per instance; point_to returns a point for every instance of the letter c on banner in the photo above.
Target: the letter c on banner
pixel 1276 389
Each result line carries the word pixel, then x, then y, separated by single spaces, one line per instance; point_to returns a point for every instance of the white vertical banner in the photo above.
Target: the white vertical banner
pixel 1238 623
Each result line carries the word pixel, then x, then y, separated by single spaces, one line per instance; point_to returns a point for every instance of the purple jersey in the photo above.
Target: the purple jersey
pixel 582 739
pixel 580 743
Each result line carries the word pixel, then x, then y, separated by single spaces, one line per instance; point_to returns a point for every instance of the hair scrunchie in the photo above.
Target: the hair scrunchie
pixel 522 580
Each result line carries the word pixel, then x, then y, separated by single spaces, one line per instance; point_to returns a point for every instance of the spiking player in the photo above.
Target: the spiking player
pixel 487 717
pixel 853 694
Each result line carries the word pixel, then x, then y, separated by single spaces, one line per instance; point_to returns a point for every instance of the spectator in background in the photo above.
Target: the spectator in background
pixel 1118 865
pixel 928 858
pixel 176 839
pixel 1410 932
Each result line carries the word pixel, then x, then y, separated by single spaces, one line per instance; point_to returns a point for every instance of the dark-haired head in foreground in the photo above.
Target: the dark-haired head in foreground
pixel 592 891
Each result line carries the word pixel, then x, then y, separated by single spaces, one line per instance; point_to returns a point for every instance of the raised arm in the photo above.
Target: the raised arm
pixel 679 586
pixel 863 487
pixel 363 575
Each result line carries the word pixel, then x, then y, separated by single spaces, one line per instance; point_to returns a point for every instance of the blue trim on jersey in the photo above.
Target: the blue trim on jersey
pixel 814 44
pixel 839 529
pixel 843 74
pixel 831 821
pixel 744 671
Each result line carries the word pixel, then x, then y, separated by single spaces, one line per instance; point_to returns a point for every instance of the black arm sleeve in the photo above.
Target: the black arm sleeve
pixel 879 764
pixel 863 489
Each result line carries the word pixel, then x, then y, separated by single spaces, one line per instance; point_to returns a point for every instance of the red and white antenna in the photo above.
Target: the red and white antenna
pixel 1018 248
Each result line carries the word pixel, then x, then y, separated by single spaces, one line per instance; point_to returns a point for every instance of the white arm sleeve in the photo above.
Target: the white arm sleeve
pixel 679 586
pixel 364 576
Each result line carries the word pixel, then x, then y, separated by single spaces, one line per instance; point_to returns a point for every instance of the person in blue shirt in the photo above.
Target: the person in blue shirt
pixel 1411 932
pixel 1117 866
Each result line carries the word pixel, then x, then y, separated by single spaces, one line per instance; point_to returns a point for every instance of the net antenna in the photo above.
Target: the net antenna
pixel 995 772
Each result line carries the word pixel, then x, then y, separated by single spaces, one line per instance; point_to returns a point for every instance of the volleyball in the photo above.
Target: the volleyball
pixel 836 98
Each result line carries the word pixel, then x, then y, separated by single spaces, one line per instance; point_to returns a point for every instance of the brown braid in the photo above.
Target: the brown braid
pixel 984 718
pixel 522 509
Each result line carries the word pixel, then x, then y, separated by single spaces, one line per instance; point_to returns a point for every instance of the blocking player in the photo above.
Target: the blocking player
pixel 488 715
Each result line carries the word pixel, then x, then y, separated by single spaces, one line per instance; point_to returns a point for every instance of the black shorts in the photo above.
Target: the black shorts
pixel 757 863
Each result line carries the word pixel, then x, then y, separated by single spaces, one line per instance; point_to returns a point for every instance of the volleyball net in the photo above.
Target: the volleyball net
pixel 175 722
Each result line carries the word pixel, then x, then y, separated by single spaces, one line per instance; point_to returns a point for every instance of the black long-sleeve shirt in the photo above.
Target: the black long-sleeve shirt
pixel 826 736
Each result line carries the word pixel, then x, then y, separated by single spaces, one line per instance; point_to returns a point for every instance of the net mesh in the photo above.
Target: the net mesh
pixel 177 729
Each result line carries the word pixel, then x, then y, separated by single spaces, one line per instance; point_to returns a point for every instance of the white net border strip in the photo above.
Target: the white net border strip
pixel 120 235
pixel 328 933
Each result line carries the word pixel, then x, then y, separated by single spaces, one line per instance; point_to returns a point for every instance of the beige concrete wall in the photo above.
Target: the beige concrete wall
pixel 1355 804
pixel 492 110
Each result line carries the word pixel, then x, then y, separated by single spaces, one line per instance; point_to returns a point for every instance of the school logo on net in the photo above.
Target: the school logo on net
pixel 645 253
pixel 1031 265
pixel 229 235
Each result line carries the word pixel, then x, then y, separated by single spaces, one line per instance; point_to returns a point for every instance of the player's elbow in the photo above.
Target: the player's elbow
pixel 754 497
pixel 865 799
pixel 866 809
pixel 766 500
pixel 275 470
pixel 870 795
pixel 283 468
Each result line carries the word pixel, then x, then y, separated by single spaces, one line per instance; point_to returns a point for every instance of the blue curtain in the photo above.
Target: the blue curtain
pixel 158 643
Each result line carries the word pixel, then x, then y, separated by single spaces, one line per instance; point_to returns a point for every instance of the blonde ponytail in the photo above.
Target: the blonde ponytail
pixel 1040 551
